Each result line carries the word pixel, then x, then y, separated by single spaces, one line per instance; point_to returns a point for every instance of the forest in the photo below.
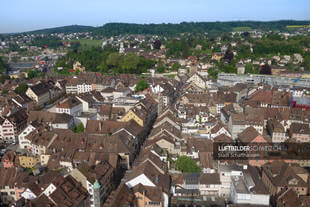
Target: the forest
pixel 106 60
pixel 114 29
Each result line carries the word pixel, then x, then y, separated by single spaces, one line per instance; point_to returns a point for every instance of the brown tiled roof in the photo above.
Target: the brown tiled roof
pixel 298 128
pixel 206 159
pixel 288 198
pixel 275 126
pixel 248 135
pixel 7 176
pixel 164 136
pixel 146 168
pixel 243 119
pixel 9 156
pixel 200 144
pixel 218 127
pixel 69 192
pixel 40 89
pixel 152 193
pixel 209 179
pixel 103 127
pixel 223 138
pixel 105 110
pixel 170 129
pixel 49 117
pixel 96 172
pixel 69 103
pixel 202 98
pixel 133 128
pixel 148 155
pixel 281 173
pixel 122 196
pixel 18 117
pixel 42 200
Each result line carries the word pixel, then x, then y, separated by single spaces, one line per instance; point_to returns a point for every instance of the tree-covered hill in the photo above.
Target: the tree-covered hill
pixel 64 29
pixel 113 29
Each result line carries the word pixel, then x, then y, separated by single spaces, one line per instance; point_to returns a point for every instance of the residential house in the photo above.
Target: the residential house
pixel 147 175
pixel 53 120
pixel 200 184
pixel 148 196
pixel 249 189
pixel 217 56
pixel 227 172
pixel 198 80
pixel 239 122
pixel 27 161
pixel 71 106
pixel 39 93
pixel 60 191
pixel 7 188
pixel 97 179
pixel 123 196
pixel 279 175
pixel 10 126
pixel 8 159
pixel 276 131
pixel 300 132
pixel 250 136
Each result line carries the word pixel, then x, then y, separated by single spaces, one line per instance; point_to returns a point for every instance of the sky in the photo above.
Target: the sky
pixel 28 15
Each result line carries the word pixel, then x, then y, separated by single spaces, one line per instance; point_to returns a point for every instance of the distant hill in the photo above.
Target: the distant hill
pixel 113 29
pixel 64 29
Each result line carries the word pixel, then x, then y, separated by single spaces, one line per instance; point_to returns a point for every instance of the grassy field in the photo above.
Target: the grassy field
pixel 297 26
pixel 86 43
pixel 240 29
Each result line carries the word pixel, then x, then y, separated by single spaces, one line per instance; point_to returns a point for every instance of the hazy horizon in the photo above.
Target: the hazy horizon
pixel 22 16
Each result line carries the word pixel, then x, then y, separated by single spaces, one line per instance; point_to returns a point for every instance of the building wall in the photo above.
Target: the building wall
pixel 131 115
pixel 7 163
pixel 84 88
pixel 28 161
pixel 8 194
pixel 44 159
pixel 40 100
pixel 21 138
pixel 7 132
pixel 143 201
pixel 75 111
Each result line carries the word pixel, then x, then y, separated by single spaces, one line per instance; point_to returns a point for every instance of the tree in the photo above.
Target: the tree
pixel 161 69
pixel 3 66
pixel 3 78
pixel 229 55
pixel 157 44
pixel 187 165
pixel 175 66
pixel 141 85
pixel 113 59
pixel 32 73
pixel 80 128
pixel 265 69
pixel 249 68
pixel 21 89
pixel 4 91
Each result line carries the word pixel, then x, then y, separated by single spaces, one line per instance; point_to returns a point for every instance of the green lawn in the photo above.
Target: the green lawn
pixel 239 29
